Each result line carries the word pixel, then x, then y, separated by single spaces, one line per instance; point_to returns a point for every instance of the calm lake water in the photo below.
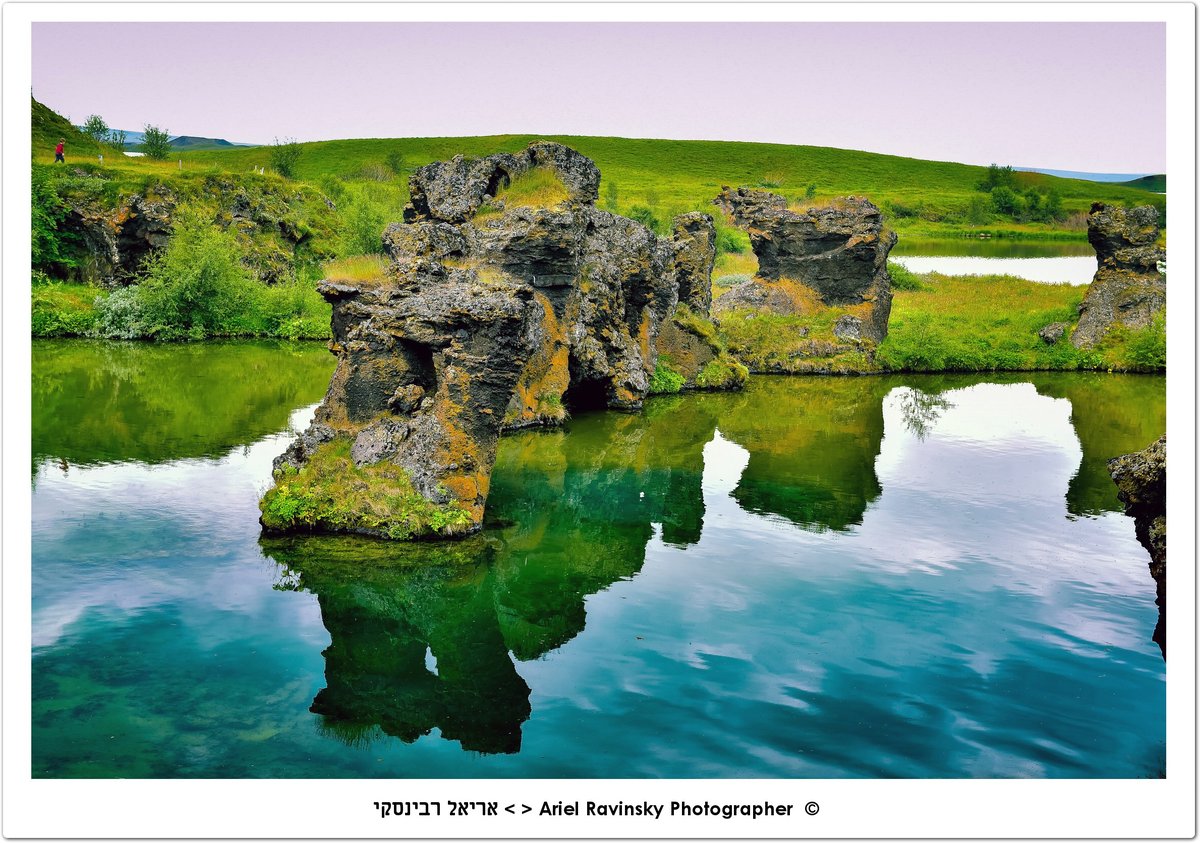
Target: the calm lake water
pixel 901 576
pixel 1051 262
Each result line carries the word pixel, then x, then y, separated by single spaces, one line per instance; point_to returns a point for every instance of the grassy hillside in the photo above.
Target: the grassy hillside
pixel 666 177
pixel 1155 184
pixel 49 127
pixel 670 176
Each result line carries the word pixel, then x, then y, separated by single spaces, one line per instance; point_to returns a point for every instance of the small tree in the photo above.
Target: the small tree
pixel 117 138
pixel 284 155
pixel 1052 208
pixel 1033 205
pixel 1006 201
pixel 810 192
pixel 997 176
pixel 156 143
pixel 96 129
pixel 979 210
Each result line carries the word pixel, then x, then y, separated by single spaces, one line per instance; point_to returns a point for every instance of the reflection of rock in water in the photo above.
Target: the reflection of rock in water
pixel 1111 414
pixel 581 503
pixel 1142 480
pixel 578 509
pixel 384 606
pixel 812 443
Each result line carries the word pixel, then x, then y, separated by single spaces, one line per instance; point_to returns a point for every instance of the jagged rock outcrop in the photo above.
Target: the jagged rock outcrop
pixel 829 260
pixel 1141 480
pixel 744 205
pixel 501 308
pixel 1128 288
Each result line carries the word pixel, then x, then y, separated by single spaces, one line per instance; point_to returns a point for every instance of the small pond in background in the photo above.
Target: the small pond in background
pixel 1051 262
pixel 925 576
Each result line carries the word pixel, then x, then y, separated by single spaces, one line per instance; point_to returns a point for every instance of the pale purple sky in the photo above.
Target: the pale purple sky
pixel 1079 96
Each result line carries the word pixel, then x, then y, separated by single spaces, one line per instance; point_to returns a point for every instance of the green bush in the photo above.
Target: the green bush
pixel 284 156
pixel 645 216
pixel 120 315
pixel 665 380
pixel 978 211
pixel 1146 348
pixel 732 241
pixel 61 310
pixel 197 286
pixel 48 211
pixel 362 224
pixel 1006 201
pixel 903 278
pixel 292 310
pixel 997 176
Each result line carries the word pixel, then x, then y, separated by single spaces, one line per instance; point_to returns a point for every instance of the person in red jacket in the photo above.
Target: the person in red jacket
pixel 58 151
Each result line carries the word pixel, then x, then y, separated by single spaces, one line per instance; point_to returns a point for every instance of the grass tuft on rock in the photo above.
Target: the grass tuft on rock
pixel 332 494
pixel 665 380
pixel 540 187
pixel 723 372
pixel 360 269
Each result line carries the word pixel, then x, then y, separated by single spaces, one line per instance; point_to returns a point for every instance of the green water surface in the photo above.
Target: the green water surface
pixel 876 576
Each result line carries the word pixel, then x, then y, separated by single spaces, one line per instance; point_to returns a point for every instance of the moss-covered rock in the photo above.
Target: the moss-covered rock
pixel 1128 290
pixel 506 301
pixel 331 492
pixel 822 283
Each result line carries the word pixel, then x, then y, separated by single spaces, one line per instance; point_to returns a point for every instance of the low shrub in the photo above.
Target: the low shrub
pixel 644 215
pixel 902 277
pixel 665 379
pixel 1146 348
pixel 62 310
pixel 197 286
pixel 121 316
pixel 731 280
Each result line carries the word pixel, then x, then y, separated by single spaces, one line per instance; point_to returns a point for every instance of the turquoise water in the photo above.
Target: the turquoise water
pixel 916 577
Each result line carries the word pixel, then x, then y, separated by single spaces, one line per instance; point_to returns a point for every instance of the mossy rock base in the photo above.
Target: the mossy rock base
pixel 330 494
pixel 692 357
pixel 774 344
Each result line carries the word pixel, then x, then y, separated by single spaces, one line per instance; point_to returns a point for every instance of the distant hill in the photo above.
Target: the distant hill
pixel 1155 184
pixel 191 143
pixel 1116 178
pixel 186 143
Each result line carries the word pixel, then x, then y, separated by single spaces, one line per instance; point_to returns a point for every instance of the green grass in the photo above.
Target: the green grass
pixel 62 310
pixel 331 493
pixel 991 323
pixel 672 177
pixel 360 269
pixel 540 187
pixel 665 380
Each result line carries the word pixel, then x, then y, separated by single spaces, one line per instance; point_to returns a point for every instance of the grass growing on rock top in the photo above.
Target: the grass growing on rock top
pixel 356 270
pixel 539 187
pixel 331 494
